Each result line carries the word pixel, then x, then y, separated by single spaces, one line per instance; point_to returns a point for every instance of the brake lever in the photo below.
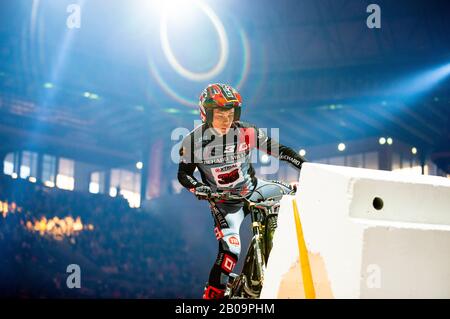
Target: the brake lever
pixel 203 194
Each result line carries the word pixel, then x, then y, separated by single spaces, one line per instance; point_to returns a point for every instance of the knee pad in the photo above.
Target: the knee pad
pixel 225 263
pixel 228 262
pixel 231 242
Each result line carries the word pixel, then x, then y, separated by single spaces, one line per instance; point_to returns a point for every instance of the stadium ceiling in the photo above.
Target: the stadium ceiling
pixel 327 78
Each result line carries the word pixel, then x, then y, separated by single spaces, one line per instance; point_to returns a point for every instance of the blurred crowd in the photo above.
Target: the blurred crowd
pixel 57 227
pixel 122 252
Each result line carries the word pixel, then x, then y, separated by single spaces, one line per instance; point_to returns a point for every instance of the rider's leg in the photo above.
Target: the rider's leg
pixel 228 235
pixel 266 189
pixel 229 250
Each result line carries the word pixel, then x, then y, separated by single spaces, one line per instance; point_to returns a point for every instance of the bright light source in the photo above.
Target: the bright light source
pixel 48 85
pixel 389 141
pixel 423 81
pixel 90 95
pixel 139 165
pixel 302 152
pixel 14 175
pixel 178 11
pixel 382 141
pixel 265 159
pixel 341 147
pixel 94 188
pixel 414 150
pixel 172 110
pixel 32 179
pixel 113 192
pixel 65 182
pixel 49 184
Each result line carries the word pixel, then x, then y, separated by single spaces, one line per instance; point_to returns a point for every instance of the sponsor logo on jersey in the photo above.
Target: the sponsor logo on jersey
pixel 233 241
pixel 229 177
pixel 242 147
pixel 229 158
pixel 230 148
pixel 225 168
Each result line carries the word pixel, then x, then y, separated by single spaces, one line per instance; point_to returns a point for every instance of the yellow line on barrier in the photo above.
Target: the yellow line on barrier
pixel 308 283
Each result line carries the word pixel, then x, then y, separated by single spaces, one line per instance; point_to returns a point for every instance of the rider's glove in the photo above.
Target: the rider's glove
pixel 202 192
pixel 294 187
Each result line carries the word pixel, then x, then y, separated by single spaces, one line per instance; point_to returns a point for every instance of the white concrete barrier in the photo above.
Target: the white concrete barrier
pixel 369 234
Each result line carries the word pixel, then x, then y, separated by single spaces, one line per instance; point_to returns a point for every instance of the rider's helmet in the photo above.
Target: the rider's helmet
pixel 219 95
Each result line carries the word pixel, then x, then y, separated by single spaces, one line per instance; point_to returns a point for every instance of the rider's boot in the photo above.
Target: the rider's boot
pixel 232 277
pixel 213 292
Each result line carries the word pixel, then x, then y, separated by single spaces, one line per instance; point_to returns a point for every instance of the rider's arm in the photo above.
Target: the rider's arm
pixel 187 165
pixel 274 148
pixel 186 175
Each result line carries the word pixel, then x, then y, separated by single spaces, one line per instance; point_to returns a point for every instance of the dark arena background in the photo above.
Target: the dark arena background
pixel 94 95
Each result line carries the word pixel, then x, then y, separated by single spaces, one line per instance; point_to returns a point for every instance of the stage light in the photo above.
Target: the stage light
pixel 302 152
pixel 139 165
pixel 422 82
pixel 49 184
pixel 414 150
pixel 91 96
pixel 265 158
pixel 382 141
pixel 180 10
pixel 389 141
pixel 341 147
pixel 113 192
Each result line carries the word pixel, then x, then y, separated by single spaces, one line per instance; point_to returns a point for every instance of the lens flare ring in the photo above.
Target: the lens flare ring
pixel 223 40
pixel 190 102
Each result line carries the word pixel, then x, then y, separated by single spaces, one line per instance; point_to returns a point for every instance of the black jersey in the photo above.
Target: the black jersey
pixel 224 161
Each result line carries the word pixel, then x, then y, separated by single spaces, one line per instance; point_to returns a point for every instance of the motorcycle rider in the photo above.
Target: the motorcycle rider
pixel 221 150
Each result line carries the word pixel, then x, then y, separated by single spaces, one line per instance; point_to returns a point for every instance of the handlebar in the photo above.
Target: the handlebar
pixel 228 196
pixel 220 196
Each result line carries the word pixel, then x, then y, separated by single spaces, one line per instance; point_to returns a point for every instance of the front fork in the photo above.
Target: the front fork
pixel 257 244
